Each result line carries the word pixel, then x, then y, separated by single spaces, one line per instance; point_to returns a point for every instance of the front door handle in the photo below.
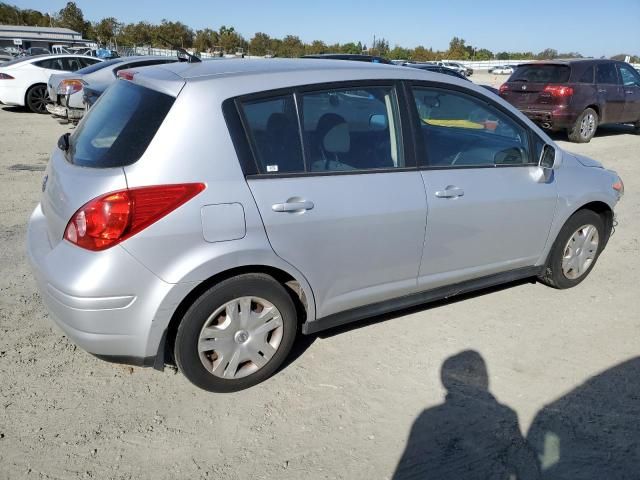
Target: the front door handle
pixel 294 207
pixel 602 90
pixel 629 92
pixel 450 192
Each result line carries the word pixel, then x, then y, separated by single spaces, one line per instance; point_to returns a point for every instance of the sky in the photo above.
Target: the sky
pixel 591 27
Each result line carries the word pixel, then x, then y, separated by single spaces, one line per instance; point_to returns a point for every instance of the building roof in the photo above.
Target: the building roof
pixel 37 30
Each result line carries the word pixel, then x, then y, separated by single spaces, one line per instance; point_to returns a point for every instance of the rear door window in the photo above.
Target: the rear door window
pixel 119 127
pixel 630 77
pixel 272 125
pixel 51 64
pixel 352 129
pixel 549 73
pixel 606 74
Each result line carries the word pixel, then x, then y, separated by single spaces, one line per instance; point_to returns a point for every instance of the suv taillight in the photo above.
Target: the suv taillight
pixel 558 90
pixel 110 219
pixel 504 88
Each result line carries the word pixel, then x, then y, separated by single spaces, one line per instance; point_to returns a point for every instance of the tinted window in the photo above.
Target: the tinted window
pixel 352 129
pixel 541 74
pixel 51 64
pixel 119 127
pixel 88 61
pixel 143 63
pixel 72 64
pixel 630 76
pixel 587 76
pixel 98 66
pixel 460 130
pixel 606 73
pixel 272 125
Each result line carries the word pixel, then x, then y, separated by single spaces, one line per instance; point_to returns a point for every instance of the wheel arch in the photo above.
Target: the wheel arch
pixel 297 287
pixel 606 213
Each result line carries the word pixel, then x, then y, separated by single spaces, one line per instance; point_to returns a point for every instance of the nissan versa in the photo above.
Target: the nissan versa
pixel 203 214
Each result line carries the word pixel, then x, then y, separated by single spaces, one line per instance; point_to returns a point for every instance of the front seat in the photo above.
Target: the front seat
pixel 334 139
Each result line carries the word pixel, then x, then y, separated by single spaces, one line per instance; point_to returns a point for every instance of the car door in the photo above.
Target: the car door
pixel 631 85
pixel 490 206
pixel 610 93
pixel 339 198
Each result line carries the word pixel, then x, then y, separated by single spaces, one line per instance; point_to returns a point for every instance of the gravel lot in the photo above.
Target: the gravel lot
pixel 344 406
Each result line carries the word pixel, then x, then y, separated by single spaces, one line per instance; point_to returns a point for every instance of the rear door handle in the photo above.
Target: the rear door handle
pixel 450 191
pixel 629 92
pixel 292 206
pixel 602 90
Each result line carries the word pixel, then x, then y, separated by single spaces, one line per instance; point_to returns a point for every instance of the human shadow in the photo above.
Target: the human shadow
pixel 593 432
pixel 469 436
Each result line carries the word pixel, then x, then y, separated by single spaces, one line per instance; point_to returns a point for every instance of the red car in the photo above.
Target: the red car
pixel 576 95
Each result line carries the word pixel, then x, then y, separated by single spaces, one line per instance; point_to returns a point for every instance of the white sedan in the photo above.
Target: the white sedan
pixel 502 70
pixel 23 82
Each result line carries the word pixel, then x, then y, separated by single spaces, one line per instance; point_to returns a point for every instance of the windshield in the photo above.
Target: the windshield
pixel 98 66
pixel 119 127
pixel 541 74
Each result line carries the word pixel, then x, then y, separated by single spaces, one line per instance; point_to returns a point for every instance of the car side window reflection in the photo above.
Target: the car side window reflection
pixel 461 131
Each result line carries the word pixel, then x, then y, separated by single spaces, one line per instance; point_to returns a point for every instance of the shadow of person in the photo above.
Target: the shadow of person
pixel 469 436
pixel 593 432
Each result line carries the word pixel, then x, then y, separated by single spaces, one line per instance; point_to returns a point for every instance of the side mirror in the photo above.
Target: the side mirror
pixel 378 122
pixel 547 157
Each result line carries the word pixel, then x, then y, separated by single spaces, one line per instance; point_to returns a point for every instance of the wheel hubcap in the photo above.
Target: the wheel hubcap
pixel 38 99
pixel 588 125
pixel 240 337
pixel 580 251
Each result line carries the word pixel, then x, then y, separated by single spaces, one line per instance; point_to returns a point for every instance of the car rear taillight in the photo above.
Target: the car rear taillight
pixel 69 86
pixel 558 90
pixel 110 219
pixel 6 76
pixel 127 74
pixel 504 88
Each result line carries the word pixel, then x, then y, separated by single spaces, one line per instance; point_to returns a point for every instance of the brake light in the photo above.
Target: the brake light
pixel 110 219
pixel 504 87
pixel 127 74
pixel 558 90
pixel 69 86
pixel 6 76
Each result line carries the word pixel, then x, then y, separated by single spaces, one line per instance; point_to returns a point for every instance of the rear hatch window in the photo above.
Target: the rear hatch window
pixel 541 74
pixel 119 127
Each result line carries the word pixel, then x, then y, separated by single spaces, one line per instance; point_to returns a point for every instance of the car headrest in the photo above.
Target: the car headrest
pixel 337 139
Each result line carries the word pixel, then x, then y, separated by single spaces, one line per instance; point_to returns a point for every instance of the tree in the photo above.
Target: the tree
pixel 457 49
pixel 316 47
pixel 106 29
pixel 399 53
pixel 351 48
pixel 71 17
pixel 547 54
pixel 260 44
pixel 292 47
pixel 230 40
pixel 380 47
pixel 483 54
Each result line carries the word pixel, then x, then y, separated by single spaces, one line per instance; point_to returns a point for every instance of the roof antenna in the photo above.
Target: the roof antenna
pixel 183 55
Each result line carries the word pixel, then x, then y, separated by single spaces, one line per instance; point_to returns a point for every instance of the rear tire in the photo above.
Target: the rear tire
pixel 236 334
pixel 36 98
pixel 575 251
pixel 585 127
pixel 636 128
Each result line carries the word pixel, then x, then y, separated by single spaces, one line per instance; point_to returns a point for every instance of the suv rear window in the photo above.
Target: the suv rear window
pixel 119 127
pixel 541 74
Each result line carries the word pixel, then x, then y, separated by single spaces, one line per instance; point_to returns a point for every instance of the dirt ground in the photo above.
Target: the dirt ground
pixel 345 404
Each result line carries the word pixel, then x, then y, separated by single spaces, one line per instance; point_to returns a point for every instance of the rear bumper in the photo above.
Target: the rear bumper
pixel 551 119
pixel 64 112
pixel 10 95
pixel 105 302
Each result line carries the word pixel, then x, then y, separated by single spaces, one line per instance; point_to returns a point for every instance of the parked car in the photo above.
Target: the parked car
pixel 576 95
pixel 502 70
pixel 458 67
pixel 431 67
pixel 66 90
pixel 36 51
pixel 5 57
pixel 205 213
pixel 352 57
pixel 23 81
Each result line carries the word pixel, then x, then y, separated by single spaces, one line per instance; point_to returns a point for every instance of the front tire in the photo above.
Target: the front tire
pixel 236 334
pixel 36 98
pixel 575 251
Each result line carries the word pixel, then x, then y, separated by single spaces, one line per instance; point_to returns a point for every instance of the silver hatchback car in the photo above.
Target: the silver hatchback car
pixel 204 214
